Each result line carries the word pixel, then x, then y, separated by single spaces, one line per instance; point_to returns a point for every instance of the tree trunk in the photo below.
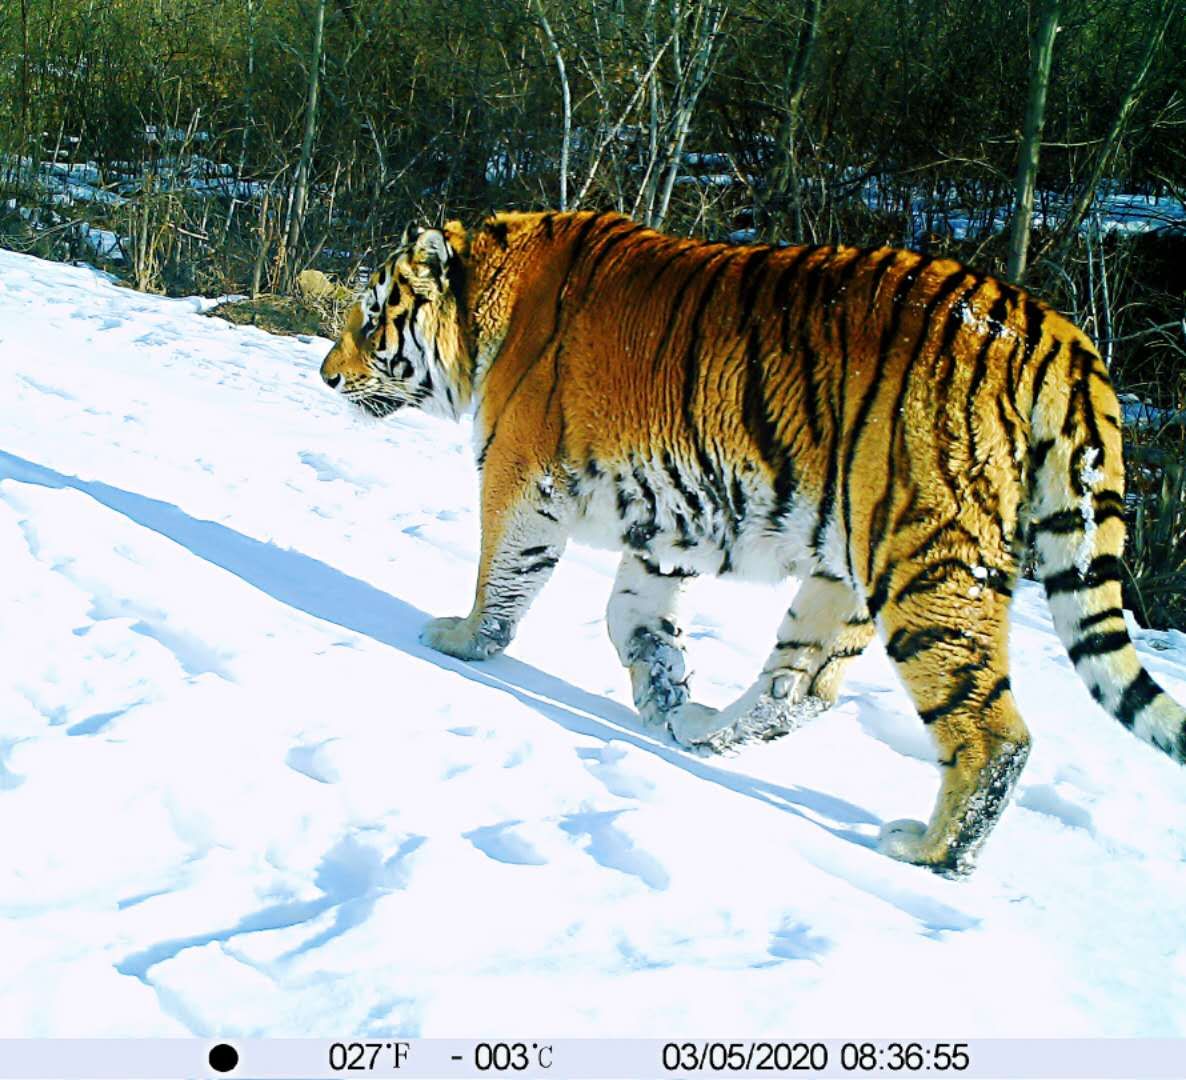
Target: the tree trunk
pixel 653 87
pixel 261 250
pixel 301 183
pixel 691 83
pixel 647 80
pixel 786 173
pixel 566 99
pixel 248 116
pixel 24 81
pixel 1031 138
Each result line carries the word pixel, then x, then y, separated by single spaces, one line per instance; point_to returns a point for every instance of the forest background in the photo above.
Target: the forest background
pixel 231 146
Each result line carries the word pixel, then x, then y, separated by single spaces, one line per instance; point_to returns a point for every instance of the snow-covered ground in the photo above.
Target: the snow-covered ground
pixel 236 796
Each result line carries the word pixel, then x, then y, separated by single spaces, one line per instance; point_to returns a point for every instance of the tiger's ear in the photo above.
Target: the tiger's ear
pixel 457 238
pixel 429 256
pixel 409 237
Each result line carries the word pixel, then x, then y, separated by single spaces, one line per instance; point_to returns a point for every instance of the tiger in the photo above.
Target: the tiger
pixel 894 430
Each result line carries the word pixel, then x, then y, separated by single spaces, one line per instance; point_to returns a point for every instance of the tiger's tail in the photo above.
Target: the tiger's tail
pixel 1076 514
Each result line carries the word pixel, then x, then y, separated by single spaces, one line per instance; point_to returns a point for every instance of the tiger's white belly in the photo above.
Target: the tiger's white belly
pixel 643 511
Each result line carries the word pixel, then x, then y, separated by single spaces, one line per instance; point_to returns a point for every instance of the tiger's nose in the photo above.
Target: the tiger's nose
pixel 332 381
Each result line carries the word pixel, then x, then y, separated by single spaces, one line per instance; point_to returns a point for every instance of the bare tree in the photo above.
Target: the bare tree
pixel 566 99
pixel 785 178
pixel 613 130
pixel 692 59
pixel 1165 14
pixel 1042 49
pixel 24 136
pixel 248 114
pixel 300 193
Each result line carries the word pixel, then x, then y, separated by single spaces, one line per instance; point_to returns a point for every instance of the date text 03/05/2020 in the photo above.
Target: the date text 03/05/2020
pixel 682 1057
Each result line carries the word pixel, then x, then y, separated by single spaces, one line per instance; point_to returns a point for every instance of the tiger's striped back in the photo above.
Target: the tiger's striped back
pixel 920 409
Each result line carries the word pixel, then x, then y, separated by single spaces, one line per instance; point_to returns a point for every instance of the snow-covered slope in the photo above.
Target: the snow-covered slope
pixel 236 796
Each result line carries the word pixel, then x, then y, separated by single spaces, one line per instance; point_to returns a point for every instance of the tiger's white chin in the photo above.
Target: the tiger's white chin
pixel 376 409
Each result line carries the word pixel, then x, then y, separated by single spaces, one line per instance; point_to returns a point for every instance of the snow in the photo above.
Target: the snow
pixel 80 184
pixel 1141 414
pixel 942 213
pixel 102 242
pixel 63 184
pixel 238 797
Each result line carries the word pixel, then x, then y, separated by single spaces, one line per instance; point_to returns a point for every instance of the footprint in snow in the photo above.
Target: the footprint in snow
pixel 605 763
pixel 501 843
pixel 94 724
pixel 517 756
pixel 313 762
pixel 104 322
pixel 326 471
pixel 613 849
pixel 194 656
pixel 795 941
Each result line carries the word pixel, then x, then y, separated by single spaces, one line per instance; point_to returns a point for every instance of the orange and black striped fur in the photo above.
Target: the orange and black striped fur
pixel 889 428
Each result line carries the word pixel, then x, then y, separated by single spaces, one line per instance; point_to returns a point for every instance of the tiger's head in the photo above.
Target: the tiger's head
pixel 405 341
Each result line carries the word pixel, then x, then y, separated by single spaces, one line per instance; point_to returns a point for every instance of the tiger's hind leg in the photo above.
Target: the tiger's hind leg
pixel 642 618
pixel 947 635
pixel 826 627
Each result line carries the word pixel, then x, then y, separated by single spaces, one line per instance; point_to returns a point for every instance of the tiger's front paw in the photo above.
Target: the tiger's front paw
pixel 455 636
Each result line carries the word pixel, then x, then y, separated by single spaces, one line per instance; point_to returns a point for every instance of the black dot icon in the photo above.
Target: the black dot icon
pixel 223 1057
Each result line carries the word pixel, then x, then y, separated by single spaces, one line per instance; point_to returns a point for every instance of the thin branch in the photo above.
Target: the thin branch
pixel 566 99
pixel 616 129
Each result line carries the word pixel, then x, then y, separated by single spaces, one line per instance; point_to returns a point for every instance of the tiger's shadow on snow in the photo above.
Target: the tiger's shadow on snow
pixel 321 590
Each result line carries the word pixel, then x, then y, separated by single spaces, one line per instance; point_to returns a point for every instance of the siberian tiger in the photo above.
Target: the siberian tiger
pixel 891 429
